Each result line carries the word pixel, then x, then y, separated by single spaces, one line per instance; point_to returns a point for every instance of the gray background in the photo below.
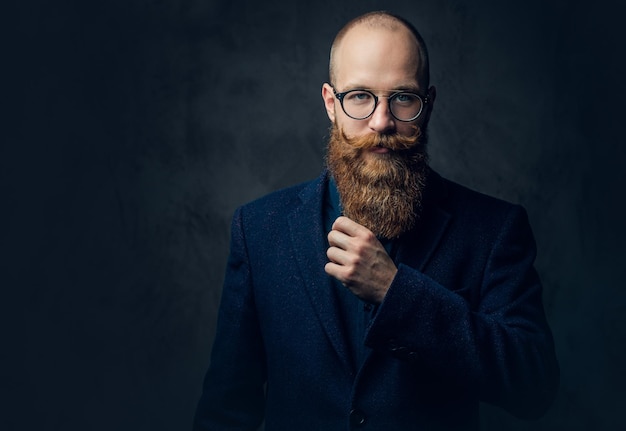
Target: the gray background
pixel 132 129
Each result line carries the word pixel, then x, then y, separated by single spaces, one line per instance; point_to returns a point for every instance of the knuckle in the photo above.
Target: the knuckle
pixel 360 248
pixel 369 236
pixel 350 273
pixel 355 261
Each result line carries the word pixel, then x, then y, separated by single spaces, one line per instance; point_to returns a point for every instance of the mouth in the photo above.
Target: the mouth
pixel 379 150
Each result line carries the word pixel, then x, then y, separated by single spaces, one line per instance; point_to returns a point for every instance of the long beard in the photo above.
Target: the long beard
pixel 382 192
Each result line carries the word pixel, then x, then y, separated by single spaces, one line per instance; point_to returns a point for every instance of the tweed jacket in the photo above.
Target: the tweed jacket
pixel 462 323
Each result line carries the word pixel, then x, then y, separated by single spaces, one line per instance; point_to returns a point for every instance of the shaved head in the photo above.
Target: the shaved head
pixel 381 20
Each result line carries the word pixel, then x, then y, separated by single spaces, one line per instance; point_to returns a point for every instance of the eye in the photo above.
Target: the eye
pixel 405 99
pixel 358 97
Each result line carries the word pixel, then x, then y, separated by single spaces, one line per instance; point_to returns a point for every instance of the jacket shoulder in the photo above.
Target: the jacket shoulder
pixel 281 201
pixel 472 202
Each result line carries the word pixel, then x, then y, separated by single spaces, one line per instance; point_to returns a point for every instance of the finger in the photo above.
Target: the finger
pixel 335 271
pixel 337 255
pixel 340 273
pixel 349 227
pixel 338 239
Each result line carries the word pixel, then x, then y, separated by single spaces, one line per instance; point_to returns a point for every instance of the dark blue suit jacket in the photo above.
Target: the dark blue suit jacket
pixel 462 322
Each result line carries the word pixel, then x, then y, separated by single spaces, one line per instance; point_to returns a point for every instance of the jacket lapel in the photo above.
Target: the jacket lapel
pixel 308 237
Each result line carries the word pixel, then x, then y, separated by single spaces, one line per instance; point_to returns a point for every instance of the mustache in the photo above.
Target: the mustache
pixel 392 141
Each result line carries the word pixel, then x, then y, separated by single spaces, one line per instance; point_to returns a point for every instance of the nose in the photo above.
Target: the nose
pixel 381 120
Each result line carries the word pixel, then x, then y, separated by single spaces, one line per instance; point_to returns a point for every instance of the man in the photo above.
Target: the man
pixel 379 296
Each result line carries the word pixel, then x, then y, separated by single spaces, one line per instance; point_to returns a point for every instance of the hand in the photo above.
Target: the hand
pixel 359 260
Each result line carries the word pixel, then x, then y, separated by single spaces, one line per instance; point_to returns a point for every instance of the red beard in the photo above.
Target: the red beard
pixel 382 192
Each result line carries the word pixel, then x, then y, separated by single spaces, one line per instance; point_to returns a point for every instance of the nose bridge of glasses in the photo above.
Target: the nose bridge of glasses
pixel 385 100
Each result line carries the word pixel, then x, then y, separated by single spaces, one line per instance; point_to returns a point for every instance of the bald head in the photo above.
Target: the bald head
pixel 380 21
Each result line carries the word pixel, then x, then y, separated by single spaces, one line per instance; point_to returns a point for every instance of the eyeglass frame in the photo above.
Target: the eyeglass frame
pixel 424 99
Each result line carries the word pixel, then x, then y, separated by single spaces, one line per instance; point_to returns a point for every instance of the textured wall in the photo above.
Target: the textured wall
pixel 135 127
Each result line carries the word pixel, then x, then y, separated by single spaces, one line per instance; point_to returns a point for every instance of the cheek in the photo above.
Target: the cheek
pixel 405 129
pixel 352 128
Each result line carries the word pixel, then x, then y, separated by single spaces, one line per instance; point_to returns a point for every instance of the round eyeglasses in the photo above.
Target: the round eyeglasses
pixel 360 104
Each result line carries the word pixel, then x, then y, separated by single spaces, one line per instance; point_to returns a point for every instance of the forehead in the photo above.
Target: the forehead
pixel 378 58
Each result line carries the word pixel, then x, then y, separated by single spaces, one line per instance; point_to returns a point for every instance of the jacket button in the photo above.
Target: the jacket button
pixel 357 418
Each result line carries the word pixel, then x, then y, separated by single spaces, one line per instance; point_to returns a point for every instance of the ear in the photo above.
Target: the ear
pixel 328 96
pixel 432 95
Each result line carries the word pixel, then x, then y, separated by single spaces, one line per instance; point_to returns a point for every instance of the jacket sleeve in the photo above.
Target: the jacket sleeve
pixel 499 348
pixel 233 392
